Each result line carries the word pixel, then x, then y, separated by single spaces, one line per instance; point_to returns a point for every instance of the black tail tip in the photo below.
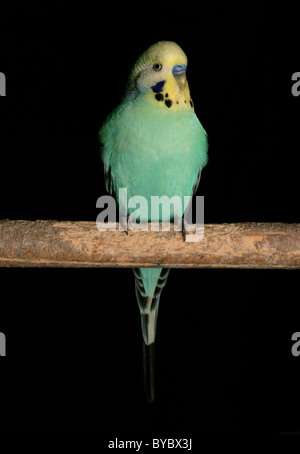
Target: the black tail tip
pixel 149 376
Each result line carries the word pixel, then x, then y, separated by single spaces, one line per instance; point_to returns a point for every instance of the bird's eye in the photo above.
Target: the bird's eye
pixel 157 66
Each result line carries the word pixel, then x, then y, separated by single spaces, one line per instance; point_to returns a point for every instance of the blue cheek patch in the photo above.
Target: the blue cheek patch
pixel 159 86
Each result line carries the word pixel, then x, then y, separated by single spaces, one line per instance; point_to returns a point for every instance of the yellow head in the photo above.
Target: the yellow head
pixel 159 75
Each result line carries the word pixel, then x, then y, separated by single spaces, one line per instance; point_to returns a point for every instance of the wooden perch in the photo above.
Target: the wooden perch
pixel 80 244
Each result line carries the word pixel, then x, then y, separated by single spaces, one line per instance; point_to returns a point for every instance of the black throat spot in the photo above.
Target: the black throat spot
pixel 159 97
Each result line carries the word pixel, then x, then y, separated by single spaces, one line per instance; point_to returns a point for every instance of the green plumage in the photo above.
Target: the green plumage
pixel 153 152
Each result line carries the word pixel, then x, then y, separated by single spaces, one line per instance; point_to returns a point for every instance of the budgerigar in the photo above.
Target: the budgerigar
pixel 154 145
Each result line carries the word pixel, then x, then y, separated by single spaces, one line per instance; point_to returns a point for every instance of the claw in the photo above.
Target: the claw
pixel 123 224
pixel 183 232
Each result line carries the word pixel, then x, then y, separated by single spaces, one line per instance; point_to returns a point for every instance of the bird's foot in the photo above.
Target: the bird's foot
pixel 183 232
pixel 123 224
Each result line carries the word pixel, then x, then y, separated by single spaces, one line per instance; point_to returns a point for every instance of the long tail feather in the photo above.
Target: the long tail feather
pixel 149 372
pixel 148 305
pixel 149 321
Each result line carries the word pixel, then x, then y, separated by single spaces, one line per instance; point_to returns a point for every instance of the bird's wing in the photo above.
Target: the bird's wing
pixel 197 181
pixel 196 184
pixel 107 179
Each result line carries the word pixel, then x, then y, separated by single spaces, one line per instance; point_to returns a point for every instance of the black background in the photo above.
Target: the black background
pixel 224 362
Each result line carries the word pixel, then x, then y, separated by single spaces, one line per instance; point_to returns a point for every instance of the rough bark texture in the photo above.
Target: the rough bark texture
pixel 80 244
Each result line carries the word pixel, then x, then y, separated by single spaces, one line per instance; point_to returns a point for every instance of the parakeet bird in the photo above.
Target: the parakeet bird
pixel 154 145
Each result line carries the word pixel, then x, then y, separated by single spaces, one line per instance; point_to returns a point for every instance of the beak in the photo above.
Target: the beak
pixel 179 72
